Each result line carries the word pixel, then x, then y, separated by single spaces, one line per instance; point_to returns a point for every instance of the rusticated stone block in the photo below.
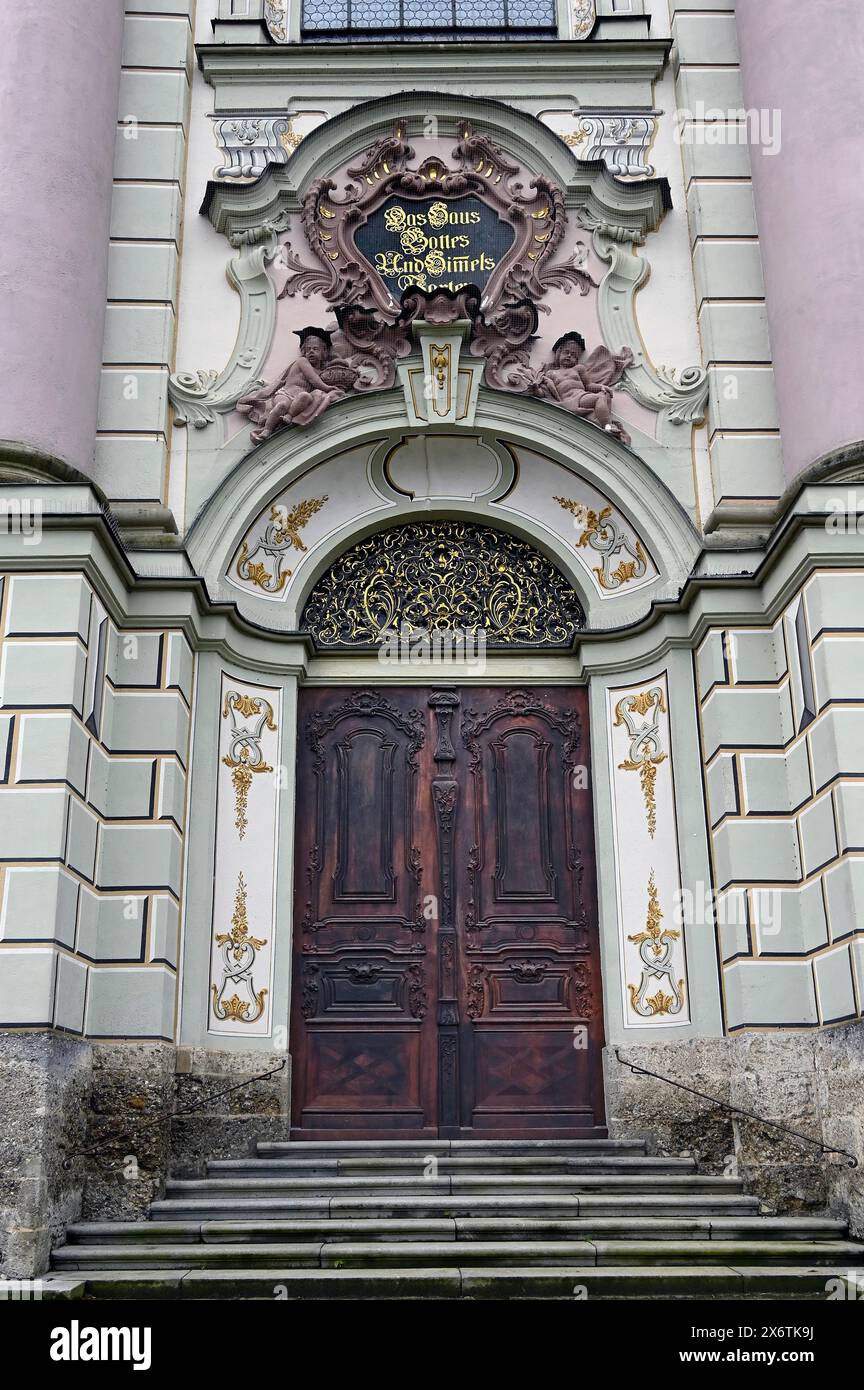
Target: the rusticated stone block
pixel 672 1121
pixel 231 1125
pixel 44 1083
pixel 812 1083
pixel 131 1101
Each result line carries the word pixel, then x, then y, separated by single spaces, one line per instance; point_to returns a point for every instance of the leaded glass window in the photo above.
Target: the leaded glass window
pixel 389 21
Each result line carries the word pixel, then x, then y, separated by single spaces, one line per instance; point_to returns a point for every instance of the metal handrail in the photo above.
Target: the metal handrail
pixel 177 1114
pixel 727 1109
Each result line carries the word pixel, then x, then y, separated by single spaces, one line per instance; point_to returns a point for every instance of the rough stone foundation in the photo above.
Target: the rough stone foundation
pixel 45 1081
pixel 92 1131
pixel 231 1126
pixel 811 1082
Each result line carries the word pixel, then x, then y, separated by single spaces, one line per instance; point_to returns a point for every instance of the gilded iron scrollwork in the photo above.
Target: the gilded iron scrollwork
pixel 439 576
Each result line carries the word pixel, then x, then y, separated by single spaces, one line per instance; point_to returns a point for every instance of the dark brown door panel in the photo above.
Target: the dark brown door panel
pixel 446 963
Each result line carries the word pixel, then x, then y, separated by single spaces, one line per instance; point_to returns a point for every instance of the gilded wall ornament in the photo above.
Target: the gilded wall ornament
pixel 276 19
pixel 605 537
pixel 479 170
pixel 641 715
pixel 439 576
pixel 238 951
pixel 584 14
pixel 655 952
pixel 250 715
pixel 281 535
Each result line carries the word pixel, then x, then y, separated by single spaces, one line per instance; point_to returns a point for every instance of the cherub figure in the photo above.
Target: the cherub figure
pixel 304 390
pixel 579 383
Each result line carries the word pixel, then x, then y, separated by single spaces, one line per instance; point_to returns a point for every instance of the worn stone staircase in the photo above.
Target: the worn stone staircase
pixel 455 1219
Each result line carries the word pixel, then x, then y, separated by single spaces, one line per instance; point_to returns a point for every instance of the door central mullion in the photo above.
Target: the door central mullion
pixel 445 801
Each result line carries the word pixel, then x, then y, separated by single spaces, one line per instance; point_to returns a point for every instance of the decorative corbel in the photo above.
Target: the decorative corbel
pixel 622 139
pixel 442 389
pixel 249 143
pixel 680 396
pixel 198 397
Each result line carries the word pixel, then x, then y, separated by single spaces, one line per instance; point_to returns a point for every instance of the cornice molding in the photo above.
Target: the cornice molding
pixel 251 212
pixel 159 589
pixel 558 60
pixel 26 464
pixel 842 465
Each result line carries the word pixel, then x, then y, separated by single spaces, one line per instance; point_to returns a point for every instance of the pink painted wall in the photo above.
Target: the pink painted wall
pixel 806 60
pixel 58 111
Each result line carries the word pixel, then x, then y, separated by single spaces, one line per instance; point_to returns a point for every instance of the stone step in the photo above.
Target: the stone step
pixel 414 1166
pixel 238 1208
pixel 503 1184
pixel 835 1255
pixel 360 1148
pixel 777 1228
pixel 518 1219
pixel 648 1282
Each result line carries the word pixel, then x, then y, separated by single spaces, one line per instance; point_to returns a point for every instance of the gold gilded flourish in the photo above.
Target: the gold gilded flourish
pixel 290 527
pixel 602 534
pixel 646 700
pixel 239 933
pixel 247 705
pixel 289 138
pixel 250 716
pixel 653 932
pixel 443 575
pixel 239 950
pixel 241 780
pixel 281 534
pixel 641 715
pixel 655 952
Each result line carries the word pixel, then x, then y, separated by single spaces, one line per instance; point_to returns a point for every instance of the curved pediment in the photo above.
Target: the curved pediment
pixel 237 209
pixel 345 252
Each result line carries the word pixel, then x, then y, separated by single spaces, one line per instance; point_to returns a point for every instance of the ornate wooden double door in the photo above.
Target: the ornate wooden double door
pixel 446 973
